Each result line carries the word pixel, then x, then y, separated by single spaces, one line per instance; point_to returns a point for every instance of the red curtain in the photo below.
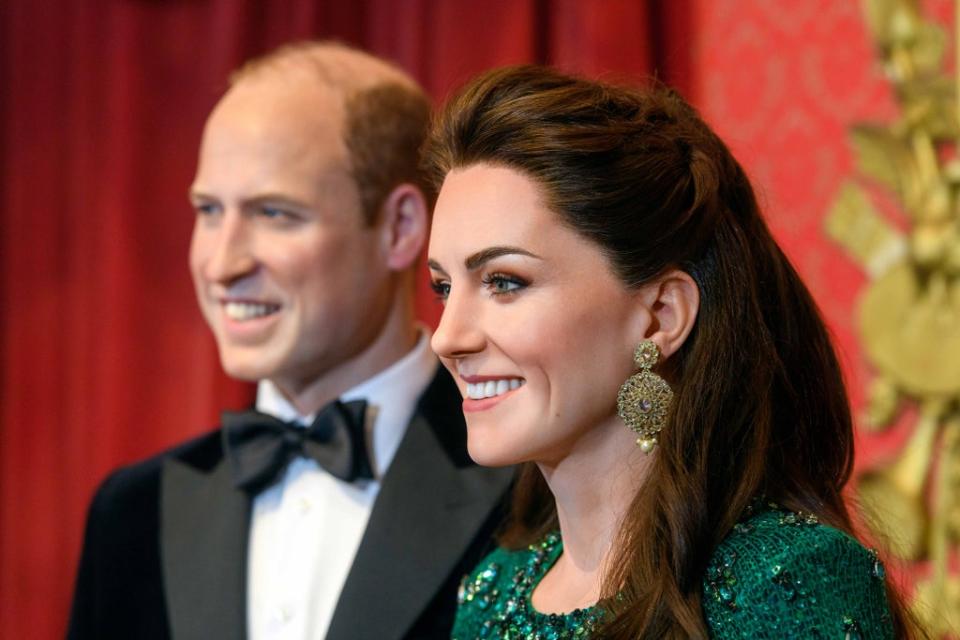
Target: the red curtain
pixel 105 358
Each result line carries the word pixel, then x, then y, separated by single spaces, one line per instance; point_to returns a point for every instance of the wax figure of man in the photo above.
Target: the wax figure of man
pixel 310 218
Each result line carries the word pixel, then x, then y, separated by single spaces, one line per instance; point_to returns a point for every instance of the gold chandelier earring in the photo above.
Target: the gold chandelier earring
pixel 645 397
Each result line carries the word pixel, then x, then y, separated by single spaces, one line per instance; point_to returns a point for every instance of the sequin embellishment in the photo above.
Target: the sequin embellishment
pixel 776 575
pixel 720 580
pixel 504 604
pixel 852 629
pixel 783 574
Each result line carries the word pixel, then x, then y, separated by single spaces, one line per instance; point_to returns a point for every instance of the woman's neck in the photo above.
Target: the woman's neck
pixel 593 487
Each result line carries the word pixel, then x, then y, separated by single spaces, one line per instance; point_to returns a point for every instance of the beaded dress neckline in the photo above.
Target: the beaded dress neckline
pixel 777 574
pixel 511 610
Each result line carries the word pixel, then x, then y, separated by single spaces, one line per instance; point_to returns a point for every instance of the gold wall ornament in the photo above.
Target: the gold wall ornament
pixel 909 315
pixel 644 399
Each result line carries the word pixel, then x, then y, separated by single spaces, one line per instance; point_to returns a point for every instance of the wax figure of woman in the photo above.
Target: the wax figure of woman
pixel 587 235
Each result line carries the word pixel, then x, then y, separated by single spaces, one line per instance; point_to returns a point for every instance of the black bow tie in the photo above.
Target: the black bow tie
pixel 260 446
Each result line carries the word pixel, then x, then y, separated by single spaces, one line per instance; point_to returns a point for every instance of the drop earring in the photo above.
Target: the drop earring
pixel 645 397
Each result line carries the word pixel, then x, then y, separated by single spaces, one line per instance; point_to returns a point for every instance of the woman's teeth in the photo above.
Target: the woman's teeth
pixel 241 311
pixel 491 388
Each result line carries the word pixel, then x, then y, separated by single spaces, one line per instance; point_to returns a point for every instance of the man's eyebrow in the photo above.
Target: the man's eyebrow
pixel 257 199
pixel 480 258
pixel 270 196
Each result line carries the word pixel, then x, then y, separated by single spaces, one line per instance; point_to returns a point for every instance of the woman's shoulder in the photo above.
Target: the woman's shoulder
pixel 784 574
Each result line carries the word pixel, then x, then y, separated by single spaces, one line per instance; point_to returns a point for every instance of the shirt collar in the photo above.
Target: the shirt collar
pixel 392 396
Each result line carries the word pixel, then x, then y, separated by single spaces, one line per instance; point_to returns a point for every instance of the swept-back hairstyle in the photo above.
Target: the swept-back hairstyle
pixel 759 405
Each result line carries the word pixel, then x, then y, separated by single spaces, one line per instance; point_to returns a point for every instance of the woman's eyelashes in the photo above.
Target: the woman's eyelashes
pixel 500 284
pixel 496 284
pixel 441 288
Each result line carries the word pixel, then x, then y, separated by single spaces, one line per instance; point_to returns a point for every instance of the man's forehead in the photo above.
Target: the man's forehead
pixel 274 112
pixel 271 136
pixel 340 70
pixel 284 97
pixel 304 94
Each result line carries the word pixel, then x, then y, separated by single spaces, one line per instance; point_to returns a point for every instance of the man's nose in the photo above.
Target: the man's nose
pixel 459 333
pixel 231 256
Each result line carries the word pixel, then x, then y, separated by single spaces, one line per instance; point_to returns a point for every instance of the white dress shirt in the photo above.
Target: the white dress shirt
pixel 306 528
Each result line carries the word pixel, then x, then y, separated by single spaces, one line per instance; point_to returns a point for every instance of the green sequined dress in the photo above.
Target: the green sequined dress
pixel 777 575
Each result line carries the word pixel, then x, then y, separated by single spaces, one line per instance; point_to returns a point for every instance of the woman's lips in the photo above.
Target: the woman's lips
pixel 484 392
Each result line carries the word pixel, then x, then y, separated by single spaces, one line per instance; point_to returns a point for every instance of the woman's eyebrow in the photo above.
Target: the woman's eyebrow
pixel 483 256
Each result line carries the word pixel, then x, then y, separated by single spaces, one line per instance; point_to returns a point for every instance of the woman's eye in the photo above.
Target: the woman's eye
pixel 500 284
pixel 441 288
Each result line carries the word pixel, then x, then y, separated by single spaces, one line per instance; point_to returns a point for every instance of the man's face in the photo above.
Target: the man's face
pixel 288 275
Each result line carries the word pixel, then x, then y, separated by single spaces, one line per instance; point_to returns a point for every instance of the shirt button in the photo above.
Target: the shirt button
pixel 304 505
pixel 283 614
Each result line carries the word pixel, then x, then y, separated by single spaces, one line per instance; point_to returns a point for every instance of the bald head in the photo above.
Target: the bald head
pixel 379 112
pixel 340 68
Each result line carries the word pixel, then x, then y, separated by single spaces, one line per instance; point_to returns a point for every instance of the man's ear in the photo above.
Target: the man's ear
pixel 670 305
pixel 405 224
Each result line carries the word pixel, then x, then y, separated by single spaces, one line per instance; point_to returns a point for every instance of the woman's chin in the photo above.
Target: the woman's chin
pixel 492 454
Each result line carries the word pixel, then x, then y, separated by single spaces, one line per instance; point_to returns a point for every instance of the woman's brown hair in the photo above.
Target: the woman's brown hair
pixel 760 407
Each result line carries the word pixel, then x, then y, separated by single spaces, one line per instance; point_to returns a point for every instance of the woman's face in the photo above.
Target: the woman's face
pixel 537 329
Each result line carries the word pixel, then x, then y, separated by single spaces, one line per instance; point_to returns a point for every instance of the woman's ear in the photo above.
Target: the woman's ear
pixel 405 221
pixel 671 303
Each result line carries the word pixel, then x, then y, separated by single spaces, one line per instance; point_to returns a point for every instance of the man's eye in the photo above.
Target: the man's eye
pixel 206 208
pixel 273 212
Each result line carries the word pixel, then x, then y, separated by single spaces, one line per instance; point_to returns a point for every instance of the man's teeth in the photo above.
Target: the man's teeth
pixel 491 388
pixel 248 310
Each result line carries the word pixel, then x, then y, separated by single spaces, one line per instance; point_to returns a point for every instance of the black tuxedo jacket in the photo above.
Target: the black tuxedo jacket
pixel 165 551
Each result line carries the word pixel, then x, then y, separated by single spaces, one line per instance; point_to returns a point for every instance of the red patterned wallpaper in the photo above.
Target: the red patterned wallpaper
pixel 781 82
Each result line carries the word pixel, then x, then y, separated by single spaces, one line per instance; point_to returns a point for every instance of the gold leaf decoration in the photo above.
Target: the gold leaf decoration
pixel 909 313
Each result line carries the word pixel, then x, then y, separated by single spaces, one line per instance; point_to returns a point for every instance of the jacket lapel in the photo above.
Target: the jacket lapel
pixel 204 527
pixel 429 510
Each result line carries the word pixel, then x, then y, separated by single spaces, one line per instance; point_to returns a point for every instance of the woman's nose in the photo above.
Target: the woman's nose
pixel 460 332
